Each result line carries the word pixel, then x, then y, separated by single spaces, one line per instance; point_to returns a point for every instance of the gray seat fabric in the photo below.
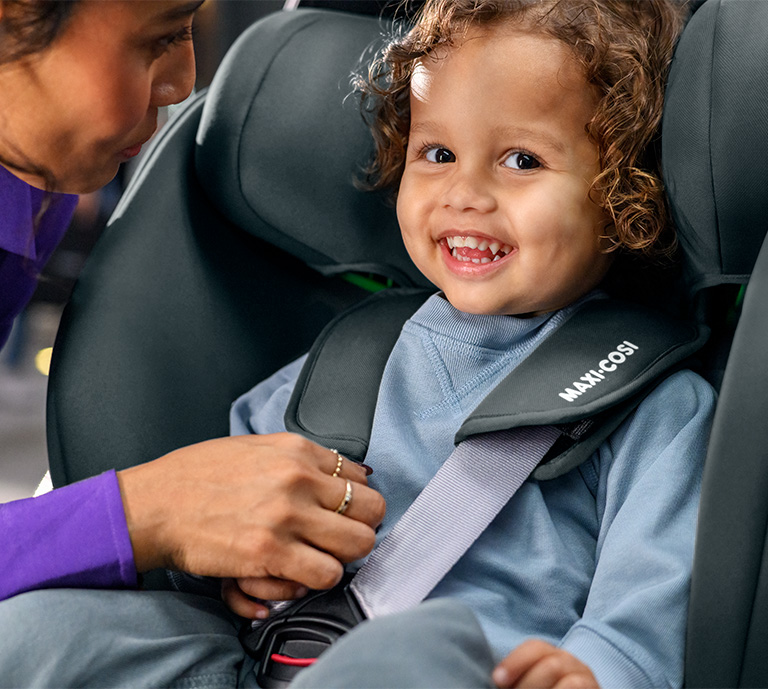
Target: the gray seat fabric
pixel 715 153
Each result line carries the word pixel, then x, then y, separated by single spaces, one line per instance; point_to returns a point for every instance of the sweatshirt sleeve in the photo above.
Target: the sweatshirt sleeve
pixel 261 410
pixel 632 632
pixel 75 536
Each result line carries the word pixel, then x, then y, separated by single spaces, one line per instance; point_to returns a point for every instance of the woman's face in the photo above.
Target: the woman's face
pixel 89 101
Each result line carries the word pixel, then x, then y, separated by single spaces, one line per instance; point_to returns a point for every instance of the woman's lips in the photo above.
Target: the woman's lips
pixel 131 152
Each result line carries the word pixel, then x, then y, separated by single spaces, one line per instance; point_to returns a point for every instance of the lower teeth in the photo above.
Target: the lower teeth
pixel 467 259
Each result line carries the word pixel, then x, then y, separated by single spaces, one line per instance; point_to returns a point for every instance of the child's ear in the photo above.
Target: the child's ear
pixel 607 235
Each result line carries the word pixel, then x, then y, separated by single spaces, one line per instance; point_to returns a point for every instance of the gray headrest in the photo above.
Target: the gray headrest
pixel 281 142
pixel 715 140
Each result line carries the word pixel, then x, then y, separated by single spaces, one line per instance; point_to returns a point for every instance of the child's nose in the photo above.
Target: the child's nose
pixel 469 190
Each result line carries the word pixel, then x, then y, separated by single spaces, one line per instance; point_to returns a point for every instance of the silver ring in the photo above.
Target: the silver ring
pixel 342 508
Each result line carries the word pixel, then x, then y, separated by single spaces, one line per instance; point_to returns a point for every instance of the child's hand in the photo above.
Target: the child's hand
pixel 538 665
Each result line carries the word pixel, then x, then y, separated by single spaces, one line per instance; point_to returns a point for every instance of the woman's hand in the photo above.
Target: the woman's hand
pixel 239 594
pixel 536 664
pixel 259 507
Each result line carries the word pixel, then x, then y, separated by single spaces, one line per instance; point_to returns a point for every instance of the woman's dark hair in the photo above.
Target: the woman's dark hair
pixel 28 27
pixel 624 48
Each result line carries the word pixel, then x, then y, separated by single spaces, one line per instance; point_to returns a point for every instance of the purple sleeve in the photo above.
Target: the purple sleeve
pixel 75 536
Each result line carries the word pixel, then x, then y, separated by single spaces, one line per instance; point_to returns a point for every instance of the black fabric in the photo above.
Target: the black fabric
pixel 715 148
pixel 375 7
pixel 532 394
pixel 282 142
pixel 728 619
pixel 335 396
pixel 714 143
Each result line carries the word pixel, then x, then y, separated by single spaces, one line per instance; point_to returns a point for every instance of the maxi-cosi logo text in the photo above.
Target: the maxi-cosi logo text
pixel 595 375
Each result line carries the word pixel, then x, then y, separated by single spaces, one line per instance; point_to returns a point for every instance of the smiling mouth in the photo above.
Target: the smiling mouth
pixel 478 250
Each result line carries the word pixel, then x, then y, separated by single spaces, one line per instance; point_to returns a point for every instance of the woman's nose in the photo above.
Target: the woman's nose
pixel 175 77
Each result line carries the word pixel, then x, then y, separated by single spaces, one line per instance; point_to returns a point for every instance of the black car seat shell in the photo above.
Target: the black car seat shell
pixel 713 141
pixel 715 155
pixel 281 143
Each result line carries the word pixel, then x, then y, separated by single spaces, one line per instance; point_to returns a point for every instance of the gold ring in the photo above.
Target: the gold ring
pixel 342 508
pixel 339 462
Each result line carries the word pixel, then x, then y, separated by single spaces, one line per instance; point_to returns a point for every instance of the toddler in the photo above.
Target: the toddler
pixel 519 137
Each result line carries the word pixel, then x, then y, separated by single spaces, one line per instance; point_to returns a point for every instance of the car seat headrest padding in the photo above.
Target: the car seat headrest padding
pixel 715 140
pixel 281 141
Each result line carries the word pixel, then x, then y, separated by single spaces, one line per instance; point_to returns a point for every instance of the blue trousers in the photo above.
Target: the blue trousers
pixel 78 638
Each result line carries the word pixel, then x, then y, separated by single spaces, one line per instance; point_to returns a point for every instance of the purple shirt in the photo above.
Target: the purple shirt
pixel 76 535
pixel 24 251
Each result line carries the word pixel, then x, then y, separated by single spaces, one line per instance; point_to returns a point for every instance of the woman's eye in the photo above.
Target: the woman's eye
pixel 438 154
pixel 164 43
pixel 521 161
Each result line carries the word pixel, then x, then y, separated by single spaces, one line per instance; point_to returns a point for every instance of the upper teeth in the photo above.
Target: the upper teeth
pixel 478 243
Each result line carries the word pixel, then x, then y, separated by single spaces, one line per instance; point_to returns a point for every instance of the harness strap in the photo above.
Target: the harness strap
pixel 468 491
pixel 455 507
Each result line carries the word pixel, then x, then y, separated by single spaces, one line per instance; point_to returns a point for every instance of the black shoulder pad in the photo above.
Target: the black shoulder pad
pixel 604 354
pixel 598 365
pixel 335 396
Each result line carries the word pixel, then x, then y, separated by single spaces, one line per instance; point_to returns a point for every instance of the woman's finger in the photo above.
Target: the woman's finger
pixel 339 466
pixel 270 588
pixel 354 501
pixel 241 604
pixel 307 565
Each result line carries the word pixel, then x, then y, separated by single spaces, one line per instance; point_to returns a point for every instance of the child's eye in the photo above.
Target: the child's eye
pixel 521 161
pixel 439 154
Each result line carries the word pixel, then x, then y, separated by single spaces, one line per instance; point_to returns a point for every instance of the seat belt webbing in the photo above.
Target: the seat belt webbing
pixel 453 509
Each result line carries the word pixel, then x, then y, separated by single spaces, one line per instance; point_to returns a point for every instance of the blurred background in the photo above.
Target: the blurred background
pixel 25 358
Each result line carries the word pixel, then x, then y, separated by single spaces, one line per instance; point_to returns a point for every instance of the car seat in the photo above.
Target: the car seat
pixel 242 234
pixel 714 149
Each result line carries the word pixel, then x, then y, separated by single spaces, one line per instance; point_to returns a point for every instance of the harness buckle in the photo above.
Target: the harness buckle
pixel 293 638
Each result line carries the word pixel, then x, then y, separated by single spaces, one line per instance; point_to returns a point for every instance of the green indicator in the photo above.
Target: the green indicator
pixel 370 283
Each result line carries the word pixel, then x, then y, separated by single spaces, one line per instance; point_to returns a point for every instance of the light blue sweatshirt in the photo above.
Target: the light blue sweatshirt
pixel 597 561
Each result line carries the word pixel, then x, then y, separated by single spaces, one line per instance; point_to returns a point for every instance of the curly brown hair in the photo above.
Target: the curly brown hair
pixel 624 47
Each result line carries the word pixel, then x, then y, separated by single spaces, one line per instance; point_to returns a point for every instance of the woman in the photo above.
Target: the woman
pixel 80 86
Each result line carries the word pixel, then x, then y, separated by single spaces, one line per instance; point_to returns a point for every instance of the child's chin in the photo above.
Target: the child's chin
pixel 479 307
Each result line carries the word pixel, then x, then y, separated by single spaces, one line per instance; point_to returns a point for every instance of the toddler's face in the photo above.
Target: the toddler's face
pixel 493 204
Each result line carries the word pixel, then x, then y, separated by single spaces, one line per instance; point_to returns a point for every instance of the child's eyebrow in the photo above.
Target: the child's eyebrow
pixel 526 135
pixel 423 125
